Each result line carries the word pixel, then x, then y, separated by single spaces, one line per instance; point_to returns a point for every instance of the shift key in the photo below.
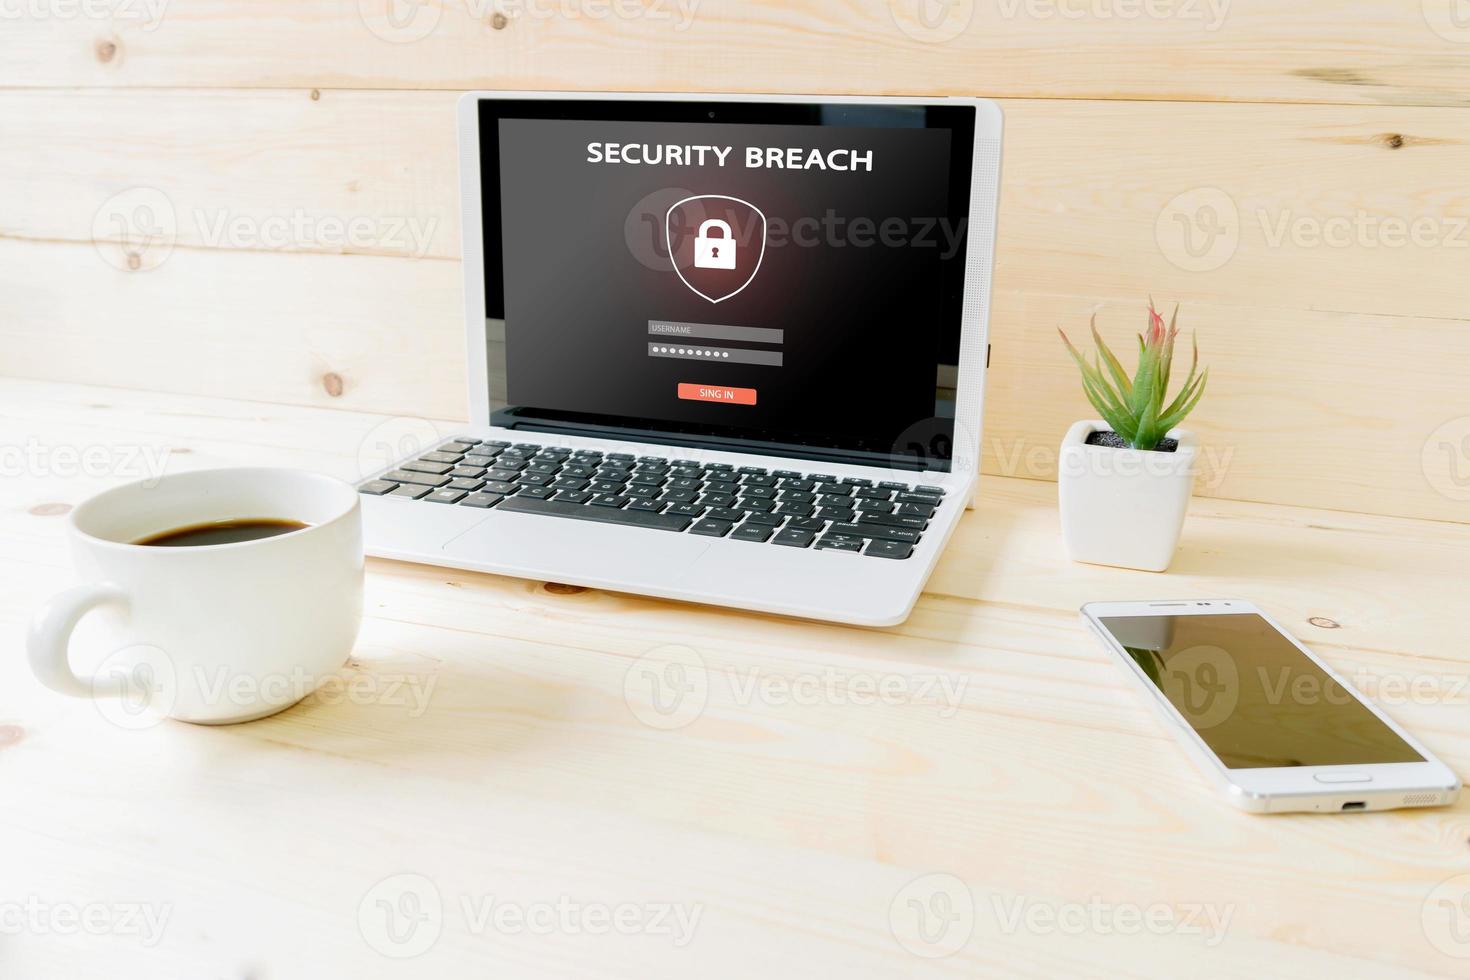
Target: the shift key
pixel 876 531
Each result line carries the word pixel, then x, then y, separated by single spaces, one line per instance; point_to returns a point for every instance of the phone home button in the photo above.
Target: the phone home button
pixel 1342 777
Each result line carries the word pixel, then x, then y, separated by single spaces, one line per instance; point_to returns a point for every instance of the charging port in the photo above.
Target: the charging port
pixel 1359 805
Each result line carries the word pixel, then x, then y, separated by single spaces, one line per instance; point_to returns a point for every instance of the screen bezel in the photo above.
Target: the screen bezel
pixel 973 310
pixel 1290 781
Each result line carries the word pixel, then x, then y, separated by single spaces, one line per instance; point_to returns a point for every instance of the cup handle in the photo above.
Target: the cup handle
pixel 50 636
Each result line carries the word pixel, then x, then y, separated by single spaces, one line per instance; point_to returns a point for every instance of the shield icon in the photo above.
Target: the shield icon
pixel 716 243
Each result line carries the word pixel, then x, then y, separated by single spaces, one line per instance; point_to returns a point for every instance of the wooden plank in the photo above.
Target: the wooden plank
pixel 1206 50
pixel 1312 341
pixel 526 775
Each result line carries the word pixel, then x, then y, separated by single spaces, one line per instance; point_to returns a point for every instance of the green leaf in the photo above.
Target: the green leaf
pixel 1179 415
pixel 1115 367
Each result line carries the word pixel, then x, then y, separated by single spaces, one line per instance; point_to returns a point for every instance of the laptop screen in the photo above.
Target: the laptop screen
pixel 766 277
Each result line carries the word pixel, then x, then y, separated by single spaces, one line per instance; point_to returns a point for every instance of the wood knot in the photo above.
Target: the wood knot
pixel 316 95
pixel 106 50
pixel 333 384
pixel 557 588
pixel 10 735
pixel 135 261
pixel 50 510
pixel 499 22
pixel 1322 622
pixel 1392 140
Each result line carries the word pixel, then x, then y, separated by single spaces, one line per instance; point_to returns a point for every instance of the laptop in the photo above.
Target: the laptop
pixel 726 349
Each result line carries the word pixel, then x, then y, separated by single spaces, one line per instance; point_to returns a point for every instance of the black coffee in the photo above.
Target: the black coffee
pixel 221 532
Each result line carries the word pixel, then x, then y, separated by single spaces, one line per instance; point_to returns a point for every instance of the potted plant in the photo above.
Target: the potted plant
pixel 1124 480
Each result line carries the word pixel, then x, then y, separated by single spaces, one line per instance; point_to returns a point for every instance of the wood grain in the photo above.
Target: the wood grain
pixel 794 825
pixel 1336 360
pixel 1328 51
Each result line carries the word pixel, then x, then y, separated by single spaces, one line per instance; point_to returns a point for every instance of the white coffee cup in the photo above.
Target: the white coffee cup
pixel 213 633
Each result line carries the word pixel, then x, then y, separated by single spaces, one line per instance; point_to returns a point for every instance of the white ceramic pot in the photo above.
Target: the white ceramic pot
pixel 1123 507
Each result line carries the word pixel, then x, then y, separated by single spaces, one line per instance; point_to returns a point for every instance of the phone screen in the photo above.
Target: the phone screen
pixel 1253 697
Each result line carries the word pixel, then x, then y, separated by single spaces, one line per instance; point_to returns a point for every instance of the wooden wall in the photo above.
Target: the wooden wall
pixel 1295 172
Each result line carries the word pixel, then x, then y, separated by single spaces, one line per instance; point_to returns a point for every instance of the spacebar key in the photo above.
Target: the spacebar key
pixel 603 515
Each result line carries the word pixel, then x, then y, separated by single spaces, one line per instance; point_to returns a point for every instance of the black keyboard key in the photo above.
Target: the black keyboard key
pixel 758 492
pixel 496 444
pixel 602 515
pixel 468 471
pixel 797 484
pixel 807 523
pixel 797 497
pixel 873 493
pixel 685 510
pixel 542 466
pixel 577 472
pixel 503 476
pixel 481 500
pixel 569 483
pixel 893 485
pixel 653 506
pixel 916 510
pixel 474 459
pixel 759 503
pixel 422 479
pixel 376 488
pixel 725 514
pixel 610 500
pixel 626 457
pixel 786 474
pixel 498 486
pixel 712 528
pixel 641 490
pixel 465 484
pixel 438 466
pixel 917 498
pixel 837 542
pixel 766 520
pixel 508 462
pixel 752 532
pixel 606 486
pixel 936 491
pixel 875 506
pixel 855 481
pixel 445 496
pixel 794 510
pixel 834 490
pixel 411 491
pixel 679 497
pixel 457 448
pixel 720 486
pixel 889 549
pixel 841 515
pixel 758 481
pixel 717 499
pixel 528 446
pixel 794 538
pixel 539 493
pixel 535 480
pixel 680 483
pixel 894 520
pixel 907 535
pixel 574 496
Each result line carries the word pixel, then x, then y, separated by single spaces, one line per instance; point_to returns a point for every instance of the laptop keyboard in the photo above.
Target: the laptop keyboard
pixel 746 503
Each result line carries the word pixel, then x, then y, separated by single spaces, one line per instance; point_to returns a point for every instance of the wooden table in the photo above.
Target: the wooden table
pixel 978 782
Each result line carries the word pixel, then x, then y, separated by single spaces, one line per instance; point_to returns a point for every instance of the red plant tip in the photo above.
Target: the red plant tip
pixel 1156 329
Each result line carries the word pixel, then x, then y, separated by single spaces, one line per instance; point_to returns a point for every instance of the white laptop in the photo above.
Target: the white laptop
pixel 725 349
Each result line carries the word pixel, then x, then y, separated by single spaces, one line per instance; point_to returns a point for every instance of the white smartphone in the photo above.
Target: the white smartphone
pixel 1275 727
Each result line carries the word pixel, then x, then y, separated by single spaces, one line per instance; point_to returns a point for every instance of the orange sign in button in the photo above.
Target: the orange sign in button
pixel 716 393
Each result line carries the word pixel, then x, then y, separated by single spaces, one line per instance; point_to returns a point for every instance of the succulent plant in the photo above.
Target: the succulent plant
pixel 1135 407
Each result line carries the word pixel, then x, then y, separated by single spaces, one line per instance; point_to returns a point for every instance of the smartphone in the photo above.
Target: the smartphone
pixel 1277 729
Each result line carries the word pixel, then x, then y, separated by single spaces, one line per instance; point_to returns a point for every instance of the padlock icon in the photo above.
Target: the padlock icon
pixel 714 253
